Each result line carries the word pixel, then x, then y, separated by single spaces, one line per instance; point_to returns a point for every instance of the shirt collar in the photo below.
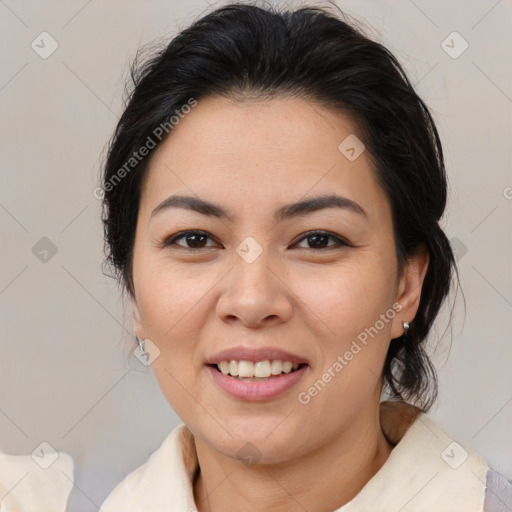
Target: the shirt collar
pixel 426 471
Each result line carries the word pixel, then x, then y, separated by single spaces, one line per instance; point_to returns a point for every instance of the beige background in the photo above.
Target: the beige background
pixel 67 375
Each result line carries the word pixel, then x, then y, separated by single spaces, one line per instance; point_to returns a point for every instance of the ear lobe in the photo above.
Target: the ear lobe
pixel 409 290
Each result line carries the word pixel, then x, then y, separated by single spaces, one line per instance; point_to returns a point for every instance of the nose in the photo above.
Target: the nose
pixel 255 295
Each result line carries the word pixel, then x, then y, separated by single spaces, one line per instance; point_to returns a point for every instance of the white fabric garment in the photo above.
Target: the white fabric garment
pixel 426 472
pixel 39 484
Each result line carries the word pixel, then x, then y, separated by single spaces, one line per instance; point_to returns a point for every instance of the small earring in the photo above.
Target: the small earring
pixel 406 328
pixel 141 343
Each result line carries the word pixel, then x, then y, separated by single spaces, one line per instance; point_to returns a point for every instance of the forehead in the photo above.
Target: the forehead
pixel 258 153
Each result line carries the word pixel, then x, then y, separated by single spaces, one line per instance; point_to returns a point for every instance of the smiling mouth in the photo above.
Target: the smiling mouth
pixel 256 371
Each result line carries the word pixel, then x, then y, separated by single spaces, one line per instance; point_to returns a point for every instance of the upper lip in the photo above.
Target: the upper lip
pixel 242 353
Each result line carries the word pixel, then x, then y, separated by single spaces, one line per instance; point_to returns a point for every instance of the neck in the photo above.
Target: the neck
pixel 339 469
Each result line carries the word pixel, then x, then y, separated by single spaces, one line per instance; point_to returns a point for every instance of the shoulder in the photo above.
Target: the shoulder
pixel 458 479
pixel 161 479
pixel 498 492
pixel 468 472
pixel 40 481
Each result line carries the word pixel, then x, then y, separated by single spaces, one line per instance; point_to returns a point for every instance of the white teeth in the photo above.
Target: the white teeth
pixel 277 367
pixel 287 366
pixel 260 369
pixel 233 368
pixel 224 367
pixel 245 369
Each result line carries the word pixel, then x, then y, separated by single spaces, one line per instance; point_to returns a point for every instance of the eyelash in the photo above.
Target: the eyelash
pixel 340 242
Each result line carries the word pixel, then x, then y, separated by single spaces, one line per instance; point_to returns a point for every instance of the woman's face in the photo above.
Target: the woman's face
pixel 256 282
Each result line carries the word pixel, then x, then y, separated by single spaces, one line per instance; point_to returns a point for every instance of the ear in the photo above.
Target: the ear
pixel 409 290
pixel 139 331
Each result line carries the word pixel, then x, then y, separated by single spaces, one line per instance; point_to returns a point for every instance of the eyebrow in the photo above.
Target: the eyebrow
pixel 284 213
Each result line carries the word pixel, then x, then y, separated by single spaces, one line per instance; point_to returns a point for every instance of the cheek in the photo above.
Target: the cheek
pixel 170 306
pixel 167 296
pixel 349 298
pixel 354 304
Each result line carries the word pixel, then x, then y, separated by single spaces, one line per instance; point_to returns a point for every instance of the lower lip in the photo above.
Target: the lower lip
pixel 257 390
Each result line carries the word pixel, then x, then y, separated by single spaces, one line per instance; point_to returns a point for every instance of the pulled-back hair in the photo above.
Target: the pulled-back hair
pixel 247 52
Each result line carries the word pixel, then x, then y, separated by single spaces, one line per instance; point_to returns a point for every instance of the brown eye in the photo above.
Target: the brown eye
pixel 320 239
pixel 193 239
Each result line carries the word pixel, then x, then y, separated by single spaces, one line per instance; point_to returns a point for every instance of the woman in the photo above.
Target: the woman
pixel 272 199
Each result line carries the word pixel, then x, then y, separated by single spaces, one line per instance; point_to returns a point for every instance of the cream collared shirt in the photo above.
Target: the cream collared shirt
pixel 40 482
pixel 426 472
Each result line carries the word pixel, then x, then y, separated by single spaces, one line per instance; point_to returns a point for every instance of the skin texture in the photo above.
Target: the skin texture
pixel 251 158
